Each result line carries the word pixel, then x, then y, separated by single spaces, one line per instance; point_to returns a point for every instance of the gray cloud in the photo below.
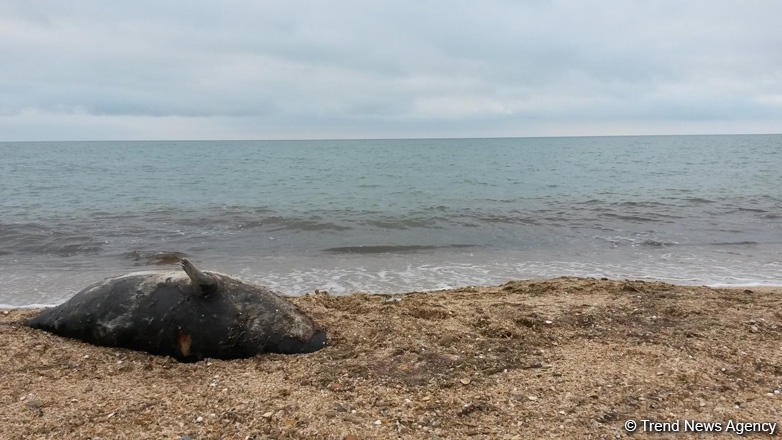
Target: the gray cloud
pixel 360 69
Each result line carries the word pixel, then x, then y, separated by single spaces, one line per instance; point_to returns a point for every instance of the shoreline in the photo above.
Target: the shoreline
pixel 761 286
pixel 43 282
pixel 564 357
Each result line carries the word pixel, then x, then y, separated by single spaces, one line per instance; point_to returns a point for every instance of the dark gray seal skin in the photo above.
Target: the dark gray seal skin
pixel 188 315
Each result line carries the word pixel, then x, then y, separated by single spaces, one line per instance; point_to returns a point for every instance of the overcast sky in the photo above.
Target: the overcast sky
pixel 344 69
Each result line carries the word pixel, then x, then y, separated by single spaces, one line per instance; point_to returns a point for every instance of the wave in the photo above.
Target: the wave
pixel 35 238
pixel 147 236
pixel 405 223
pixel 386 249
pixel 698 200
pixel 510 219
pixel 640 204
pixel 736 243
pixel 619 241
pixel 656 243
pixel 296 224
pixel 4 306
pixel 631 217
pixel 155 258
pixel 246 221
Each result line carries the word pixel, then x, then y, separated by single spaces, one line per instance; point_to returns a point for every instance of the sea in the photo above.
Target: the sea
pixel 391 216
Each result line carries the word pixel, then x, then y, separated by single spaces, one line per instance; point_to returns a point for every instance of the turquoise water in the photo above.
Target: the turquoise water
pixel 392 215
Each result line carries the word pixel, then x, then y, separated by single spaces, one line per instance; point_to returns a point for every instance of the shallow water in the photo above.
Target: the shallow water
pixel 391 215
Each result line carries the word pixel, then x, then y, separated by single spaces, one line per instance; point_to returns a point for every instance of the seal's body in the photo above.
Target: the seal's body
pixel 188 315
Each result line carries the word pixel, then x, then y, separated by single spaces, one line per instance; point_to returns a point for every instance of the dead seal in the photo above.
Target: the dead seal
pixel 188 315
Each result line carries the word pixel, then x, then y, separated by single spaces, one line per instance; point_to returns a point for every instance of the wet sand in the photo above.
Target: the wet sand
pixel 563 358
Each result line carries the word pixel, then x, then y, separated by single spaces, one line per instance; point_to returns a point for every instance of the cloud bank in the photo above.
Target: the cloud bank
pixel 266 70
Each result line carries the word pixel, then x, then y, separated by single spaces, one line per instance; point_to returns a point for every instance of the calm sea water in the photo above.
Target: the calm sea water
pixel 391 215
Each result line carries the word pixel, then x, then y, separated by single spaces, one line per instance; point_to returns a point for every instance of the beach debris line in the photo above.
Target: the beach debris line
pixel 189 315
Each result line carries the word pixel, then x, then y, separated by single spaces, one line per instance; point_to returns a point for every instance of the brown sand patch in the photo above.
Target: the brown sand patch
pixel 565 358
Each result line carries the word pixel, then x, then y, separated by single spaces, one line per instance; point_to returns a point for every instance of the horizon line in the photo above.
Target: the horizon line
pixel 387 138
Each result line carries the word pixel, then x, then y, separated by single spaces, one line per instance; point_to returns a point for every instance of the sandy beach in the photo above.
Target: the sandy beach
pixel 562 358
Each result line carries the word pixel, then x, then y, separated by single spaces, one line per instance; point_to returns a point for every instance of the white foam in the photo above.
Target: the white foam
pixel 743 284
pixel 388 274
pixel 26 306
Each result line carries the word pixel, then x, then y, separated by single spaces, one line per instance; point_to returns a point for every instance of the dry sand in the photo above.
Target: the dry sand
pixel 566 358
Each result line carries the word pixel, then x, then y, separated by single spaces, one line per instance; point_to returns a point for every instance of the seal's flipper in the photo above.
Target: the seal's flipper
pixel 204 281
